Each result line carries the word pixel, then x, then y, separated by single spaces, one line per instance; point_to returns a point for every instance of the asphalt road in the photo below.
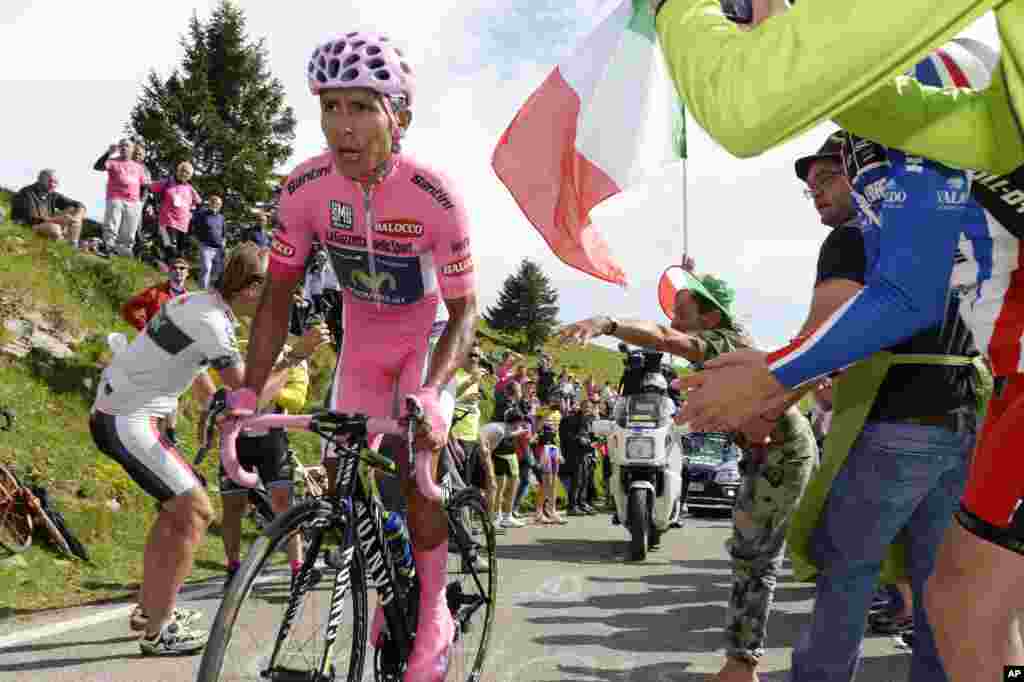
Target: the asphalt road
pixel 571 609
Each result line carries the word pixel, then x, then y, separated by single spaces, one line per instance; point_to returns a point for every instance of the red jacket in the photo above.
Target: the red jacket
pixel 141 308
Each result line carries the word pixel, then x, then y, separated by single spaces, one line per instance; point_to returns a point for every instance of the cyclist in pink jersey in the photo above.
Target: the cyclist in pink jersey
pixel 398 239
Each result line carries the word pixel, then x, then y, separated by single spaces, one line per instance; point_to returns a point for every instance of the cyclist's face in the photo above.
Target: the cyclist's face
pixel 358 129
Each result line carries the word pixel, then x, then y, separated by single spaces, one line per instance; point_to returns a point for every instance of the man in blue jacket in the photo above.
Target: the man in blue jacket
pixel 208 228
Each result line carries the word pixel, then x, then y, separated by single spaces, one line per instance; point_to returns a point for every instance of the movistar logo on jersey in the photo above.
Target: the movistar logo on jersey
pixel 375 283
pixel 312 174
pixel 440 196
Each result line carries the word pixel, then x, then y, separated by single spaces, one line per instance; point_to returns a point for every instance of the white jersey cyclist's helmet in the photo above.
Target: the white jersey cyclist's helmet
pixel 361 59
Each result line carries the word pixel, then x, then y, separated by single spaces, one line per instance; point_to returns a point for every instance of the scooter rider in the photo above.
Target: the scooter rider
pixel 784 451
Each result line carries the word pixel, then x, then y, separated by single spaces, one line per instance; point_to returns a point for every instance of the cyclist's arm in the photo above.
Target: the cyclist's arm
pixel 288 252
pixel 752 90
pixel 269 328
pixel 455 342
pixel 906 295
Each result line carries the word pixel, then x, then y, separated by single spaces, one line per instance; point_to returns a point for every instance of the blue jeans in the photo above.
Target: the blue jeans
pixel 898 477
pixel 211 263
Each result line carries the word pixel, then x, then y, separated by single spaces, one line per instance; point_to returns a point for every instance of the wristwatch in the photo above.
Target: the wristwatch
pixel 613 326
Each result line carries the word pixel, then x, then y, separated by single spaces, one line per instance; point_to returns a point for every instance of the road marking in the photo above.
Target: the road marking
pixel 66 626
pixel 113 613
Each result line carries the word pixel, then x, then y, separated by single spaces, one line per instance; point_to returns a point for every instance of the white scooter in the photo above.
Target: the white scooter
pixel 646 456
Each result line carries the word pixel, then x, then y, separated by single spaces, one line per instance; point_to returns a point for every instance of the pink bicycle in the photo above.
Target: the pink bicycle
pixel 270 627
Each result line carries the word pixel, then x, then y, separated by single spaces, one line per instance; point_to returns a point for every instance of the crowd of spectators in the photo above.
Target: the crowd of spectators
pixel 156 221
pixel 540 437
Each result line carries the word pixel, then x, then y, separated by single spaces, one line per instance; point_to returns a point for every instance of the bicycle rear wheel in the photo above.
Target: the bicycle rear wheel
pixel 472 589
pixel 15 518
pixel 269 629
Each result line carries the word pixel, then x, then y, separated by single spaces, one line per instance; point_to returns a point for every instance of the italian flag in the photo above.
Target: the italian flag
pixel 603 117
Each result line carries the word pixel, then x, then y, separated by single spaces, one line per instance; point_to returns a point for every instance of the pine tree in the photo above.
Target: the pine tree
pixel 528 304
pixel 222 110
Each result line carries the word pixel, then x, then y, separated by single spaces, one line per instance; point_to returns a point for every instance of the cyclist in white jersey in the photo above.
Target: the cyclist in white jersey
pixel 398 238
pixel 142 384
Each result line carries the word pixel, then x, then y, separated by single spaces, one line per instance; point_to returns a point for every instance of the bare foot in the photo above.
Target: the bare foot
pixel 736 670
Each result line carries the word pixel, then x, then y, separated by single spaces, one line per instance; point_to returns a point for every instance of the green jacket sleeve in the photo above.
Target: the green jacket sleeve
pixel 960 128
pixel 752 90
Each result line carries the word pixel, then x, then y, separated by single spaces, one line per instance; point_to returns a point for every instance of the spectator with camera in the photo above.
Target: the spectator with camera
pixel 125 179
pixel 577 439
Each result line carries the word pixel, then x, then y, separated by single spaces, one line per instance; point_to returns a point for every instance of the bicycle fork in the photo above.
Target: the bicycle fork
pixel 369 525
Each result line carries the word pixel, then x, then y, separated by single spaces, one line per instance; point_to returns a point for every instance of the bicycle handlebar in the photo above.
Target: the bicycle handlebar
pixel 420 467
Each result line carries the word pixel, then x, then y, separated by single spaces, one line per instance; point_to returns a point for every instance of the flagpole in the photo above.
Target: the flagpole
pixel 686 211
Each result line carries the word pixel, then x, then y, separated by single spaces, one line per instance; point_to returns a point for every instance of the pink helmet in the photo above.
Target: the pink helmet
pixel 361 60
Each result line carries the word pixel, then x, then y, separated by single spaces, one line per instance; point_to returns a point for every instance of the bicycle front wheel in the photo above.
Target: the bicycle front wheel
pixel 472 589
pixel 273 628
pixel 15 520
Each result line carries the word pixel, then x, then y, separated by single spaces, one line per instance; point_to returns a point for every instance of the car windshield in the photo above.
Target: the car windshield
pixel 711 448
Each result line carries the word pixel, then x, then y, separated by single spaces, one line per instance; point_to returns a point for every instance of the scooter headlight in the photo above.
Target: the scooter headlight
pixel 640 448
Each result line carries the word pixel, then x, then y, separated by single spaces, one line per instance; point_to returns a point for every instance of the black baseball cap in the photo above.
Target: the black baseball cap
pixel 832 149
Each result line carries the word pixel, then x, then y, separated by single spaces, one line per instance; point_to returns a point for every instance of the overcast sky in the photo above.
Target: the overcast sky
pixel 70 72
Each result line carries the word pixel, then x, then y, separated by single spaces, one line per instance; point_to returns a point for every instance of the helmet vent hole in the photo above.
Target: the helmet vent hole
pixel 312 67
pixel 321 77
pixel 376 63
pixel 405 67
pixel 322 62
pixel 358 44
pixel 350 75
pixel 350 60
pixel 373 50
pixel 353 33
pixel 382 74
pixel 339 47
pixel 333 68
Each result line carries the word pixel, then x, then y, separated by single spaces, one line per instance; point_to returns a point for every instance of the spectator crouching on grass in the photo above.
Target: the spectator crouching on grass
pixel 47 211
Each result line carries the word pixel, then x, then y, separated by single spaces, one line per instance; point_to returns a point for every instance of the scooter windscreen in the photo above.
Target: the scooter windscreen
pixel 650 410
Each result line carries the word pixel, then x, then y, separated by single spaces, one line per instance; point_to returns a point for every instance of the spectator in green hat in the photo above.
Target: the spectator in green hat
pixel 780 453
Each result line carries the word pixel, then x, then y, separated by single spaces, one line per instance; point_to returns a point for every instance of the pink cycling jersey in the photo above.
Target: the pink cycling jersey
pixel 397 247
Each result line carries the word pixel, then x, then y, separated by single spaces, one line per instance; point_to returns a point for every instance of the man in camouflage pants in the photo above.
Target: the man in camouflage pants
pixel 780 452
